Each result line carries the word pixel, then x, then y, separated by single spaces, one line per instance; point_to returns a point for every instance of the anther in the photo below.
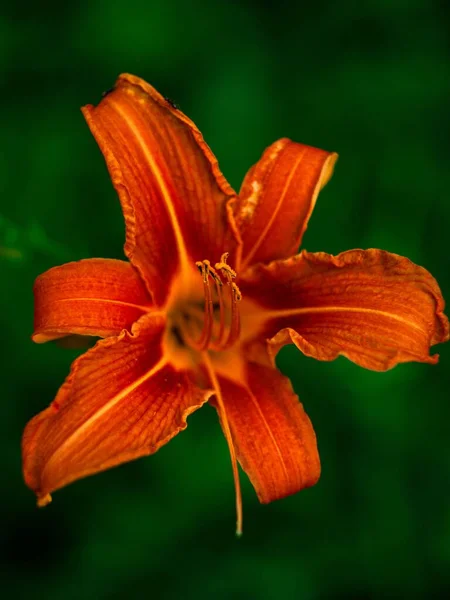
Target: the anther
pixel 223 266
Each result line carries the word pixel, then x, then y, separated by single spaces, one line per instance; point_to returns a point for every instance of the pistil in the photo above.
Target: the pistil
pixel 229 438
pixel 235 297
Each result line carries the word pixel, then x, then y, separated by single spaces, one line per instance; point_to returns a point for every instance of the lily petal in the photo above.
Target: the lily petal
pixel 273 436
pixel 96 296
pixel 172 192
pixel 122 400
pixel 277 198
pixel 377 309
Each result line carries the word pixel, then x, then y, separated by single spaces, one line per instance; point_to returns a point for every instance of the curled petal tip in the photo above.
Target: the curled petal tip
pixel 44 500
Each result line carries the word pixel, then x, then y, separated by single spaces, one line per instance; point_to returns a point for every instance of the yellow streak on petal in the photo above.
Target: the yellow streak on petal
pixel 181 246
pixel 104 409
pixel 144 308
pixel 269 314
pixel 269 431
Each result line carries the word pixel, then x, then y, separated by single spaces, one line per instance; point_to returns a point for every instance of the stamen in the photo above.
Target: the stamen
pixel 235 297
pixel 204 268
pixel 228 437
pixel 208 338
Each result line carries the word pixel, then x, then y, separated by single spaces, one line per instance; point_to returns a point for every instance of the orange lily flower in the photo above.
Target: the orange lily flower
pixel 212 290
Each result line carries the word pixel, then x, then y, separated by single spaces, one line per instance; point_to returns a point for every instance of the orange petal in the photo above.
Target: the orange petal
pixel 273 436
pixel 172 192
pixel 277 198
pixel 377 309
pixel 122 400
pixel 91 297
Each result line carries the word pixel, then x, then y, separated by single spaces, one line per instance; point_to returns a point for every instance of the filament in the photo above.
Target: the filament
pixel 204 268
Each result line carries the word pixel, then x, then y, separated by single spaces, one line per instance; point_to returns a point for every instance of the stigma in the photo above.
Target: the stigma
pixel 220 320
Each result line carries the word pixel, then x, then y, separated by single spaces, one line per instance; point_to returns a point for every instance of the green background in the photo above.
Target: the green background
pixel 367 79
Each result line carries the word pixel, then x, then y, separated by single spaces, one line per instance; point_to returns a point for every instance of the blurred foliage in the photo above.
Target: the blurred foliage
pixel 368 79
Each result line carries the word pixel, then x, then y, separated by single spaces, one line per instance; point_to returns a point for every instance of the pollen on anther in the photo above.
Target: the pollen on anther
pixel 237 292
pixel 225 268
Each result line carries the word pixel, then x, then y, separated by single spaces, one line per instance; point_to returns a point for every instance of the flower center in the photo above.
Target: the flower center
pixel 220 320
